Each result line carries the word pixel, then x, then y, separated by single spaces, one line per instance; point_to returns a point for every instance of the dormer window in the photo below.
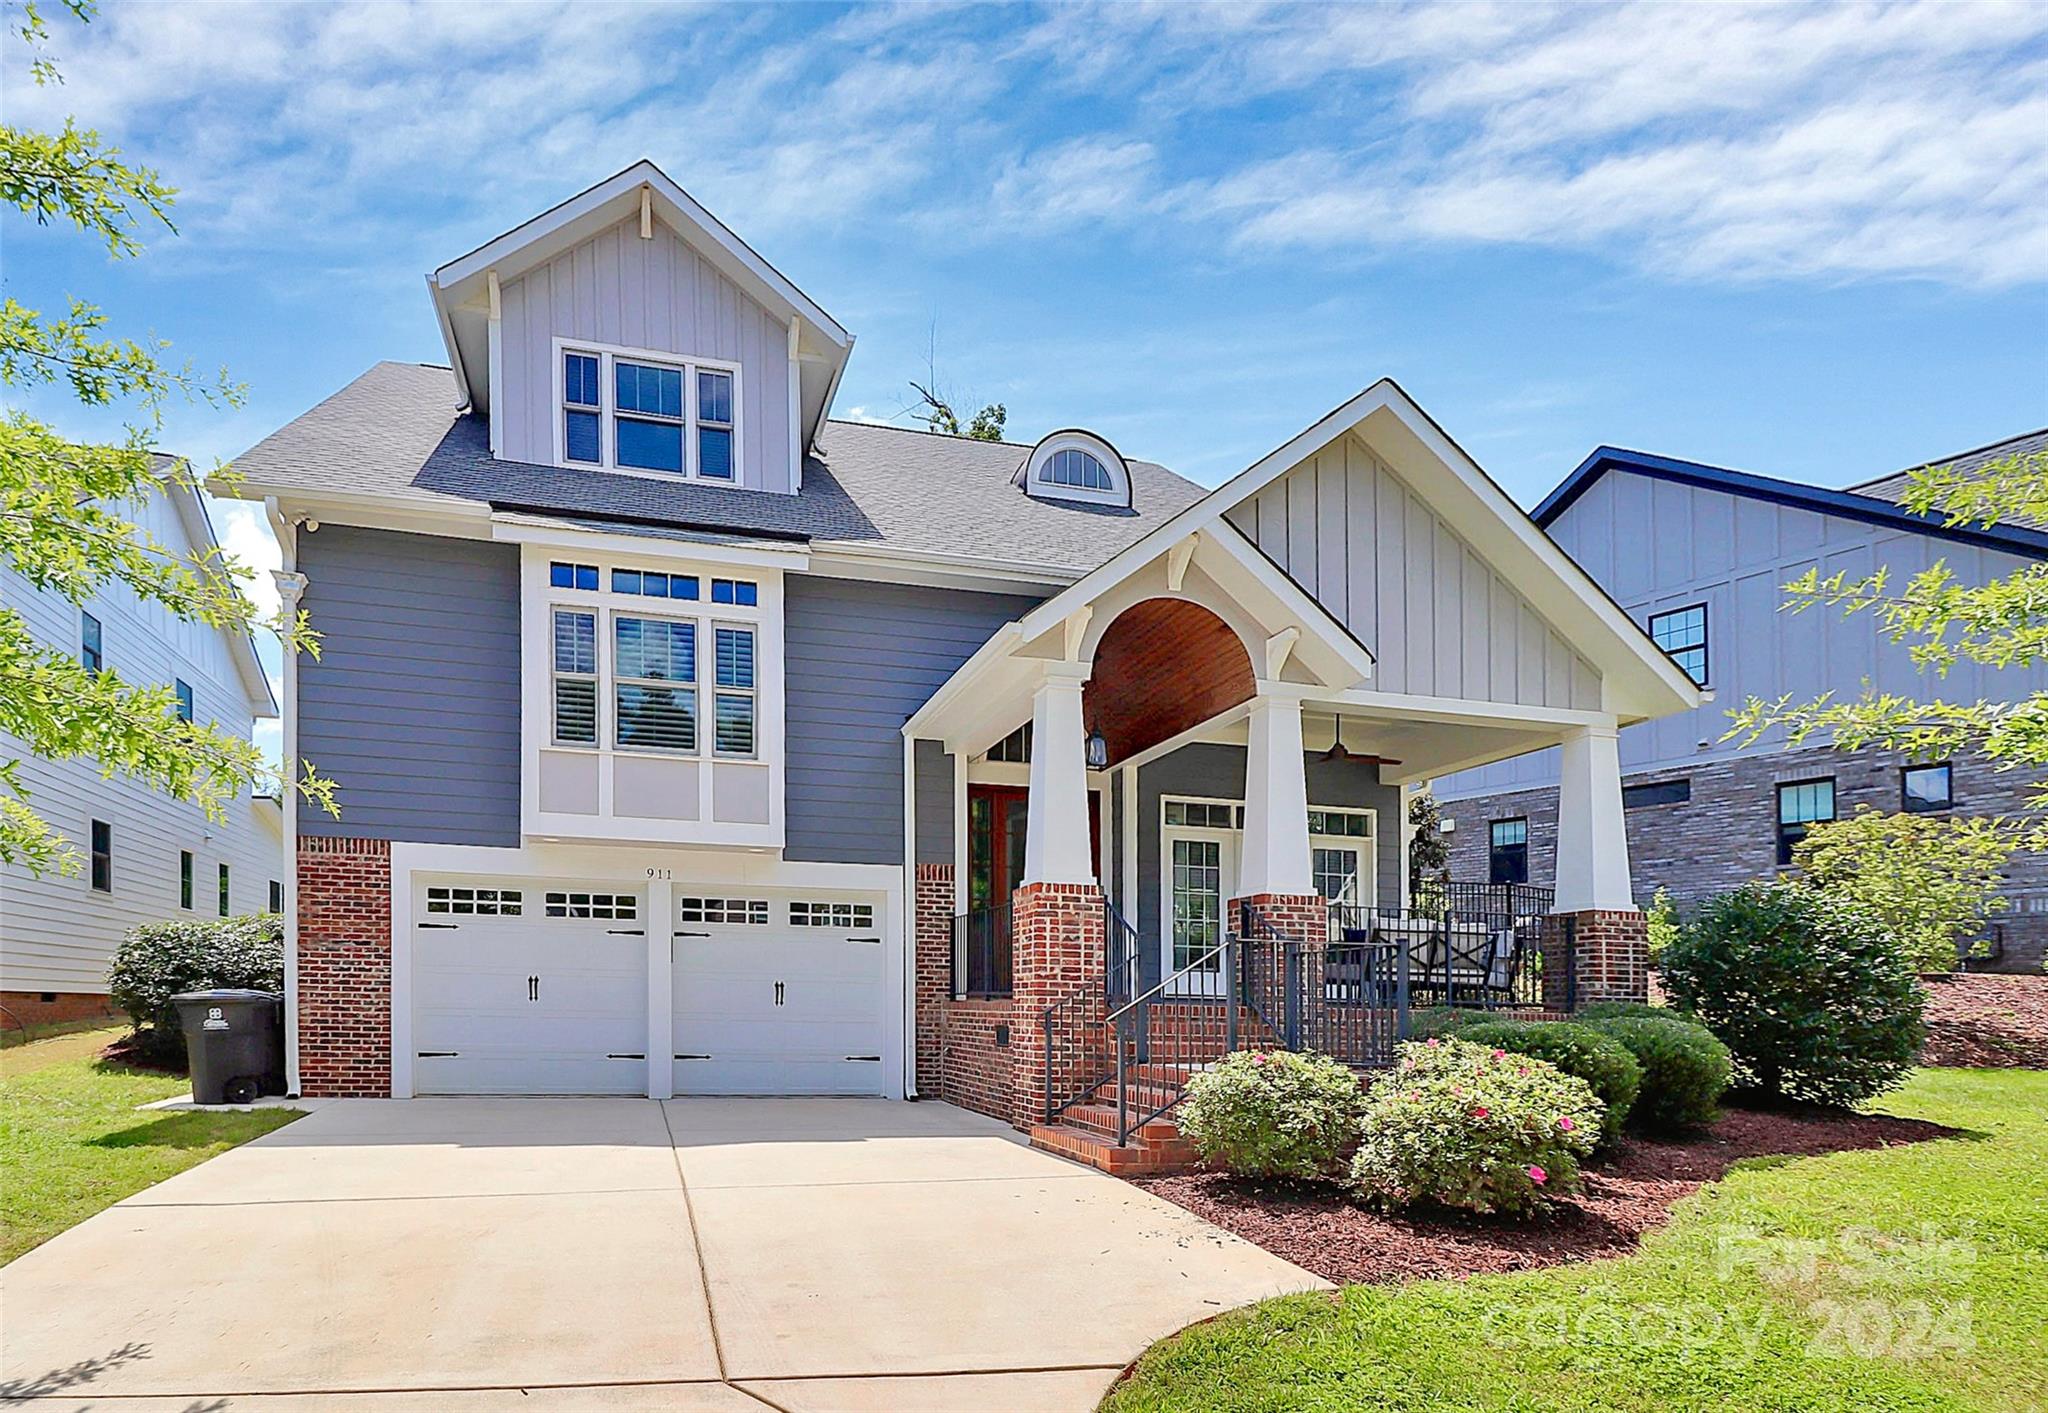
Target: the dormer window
pixel 1077 466
pixel 630 410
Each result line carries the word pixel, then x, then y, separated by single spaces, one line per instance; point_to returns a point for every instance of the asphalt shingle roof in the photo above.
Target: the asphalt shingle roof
pixel 395 431
pixel 1893 487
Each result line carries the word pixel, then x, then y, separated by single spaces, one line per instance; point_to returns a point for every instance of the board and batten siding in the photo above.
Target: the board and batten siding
pixel 860 658
pixel 1658 545
pixel 1439 621
pixel 655 294
pixel 412 708
pixel 57 933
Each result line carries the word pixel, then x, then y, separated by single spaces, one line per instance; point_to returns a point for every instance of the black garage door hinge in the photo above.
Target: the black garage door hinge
pixel 876 940
pixel 640 1056
pixel 693 1057
pixel 689 934
pixel 449 926
pixel 626 931
pixel 877 1059
pixel 435 1055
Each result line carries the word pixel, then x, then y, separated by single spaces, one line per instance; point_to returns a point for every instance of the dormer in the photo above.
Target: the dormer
pixel 628 331
pixel 1077 466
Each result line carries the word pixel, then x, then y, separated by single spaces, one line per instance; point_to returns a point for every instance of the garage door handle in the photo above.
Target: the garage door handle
pixel 778 993
pixel 533 988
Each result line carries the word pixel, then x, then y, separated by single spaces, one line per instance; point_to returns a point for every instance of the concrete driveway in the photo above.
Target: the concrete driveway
pixel 703 1254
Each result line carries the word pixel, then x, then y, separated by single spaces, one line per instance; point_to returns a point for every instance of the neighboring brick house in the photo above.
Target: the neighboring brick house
pixel 689 741
pixel 1699 555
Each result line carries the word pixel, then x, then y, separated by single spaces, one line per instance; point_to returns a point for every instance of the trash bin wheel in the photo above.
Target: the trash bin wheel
pixel 243 1089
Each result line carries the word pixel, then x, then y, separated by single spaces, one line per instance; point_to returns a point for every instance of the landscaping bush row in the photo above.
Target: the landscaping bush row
pixel 158 960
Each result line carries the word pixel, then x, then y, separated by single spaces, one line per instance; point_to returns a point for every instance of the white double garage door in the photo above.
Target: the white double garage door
pixel 544 989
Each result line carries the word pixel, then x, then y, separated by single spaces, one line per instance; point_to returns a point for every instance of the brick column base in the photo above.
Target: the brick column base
pixel 1610 956
pixel 1300 915
pixel 344 990
pixel 1057 952
pixel 934 970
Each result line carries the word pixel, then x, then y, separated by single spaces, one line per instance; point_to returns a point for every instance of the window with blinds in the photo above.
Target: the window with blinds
pixel 575 678
pixel 655 666
pixel 734 697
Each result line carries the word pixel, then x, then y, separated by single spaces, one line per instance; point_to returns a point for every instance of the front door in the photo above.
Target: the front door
pixel 996 817
pixel 1200 872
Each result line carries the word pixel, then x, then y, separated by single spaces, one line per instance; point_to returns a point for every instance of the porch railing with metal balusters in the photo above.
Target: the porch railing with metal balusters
pixel 1075 1027
pixel 981 953
pixel 1161 1035
pixel 1337 998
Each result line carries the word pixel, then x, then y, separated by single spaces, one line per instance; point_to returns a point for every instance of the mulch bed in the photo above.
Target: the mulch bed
pixel 1997 1022
pixel 1317 1229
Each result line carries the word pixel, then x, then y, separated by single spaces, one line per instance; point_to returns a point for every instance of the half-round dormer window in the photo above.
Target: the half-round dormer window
pixel 1074 465
pixel 1070 466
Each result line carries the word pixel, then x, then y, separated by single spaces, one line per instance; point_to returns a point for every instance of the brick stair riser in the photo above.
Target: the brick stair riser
pixel 1134 1161
pixel 1102 1120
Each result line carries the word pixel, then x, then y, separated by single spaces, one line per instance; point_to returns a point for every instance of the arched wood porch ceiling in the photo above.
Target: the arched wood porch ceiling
pixel 1163 666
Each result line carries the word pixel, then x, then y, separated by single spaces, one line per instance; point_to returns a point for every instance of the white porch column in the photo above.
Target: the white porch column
pixel 1276 857
pixel 1056 836
pixel 1592 842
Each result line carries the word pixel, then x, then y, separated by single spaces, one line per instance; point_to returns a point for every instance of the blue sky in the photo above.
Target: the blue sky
pixel 1811 242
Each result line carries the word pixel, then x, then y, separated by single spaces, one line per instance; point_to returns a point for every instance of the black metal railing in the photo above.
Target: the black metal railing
pixel 1122 956
pixel 1077 1037
pixel 1162 1035
pixel 1348 999
pixel 1517 900
pixel 1460 955
pixel 982 953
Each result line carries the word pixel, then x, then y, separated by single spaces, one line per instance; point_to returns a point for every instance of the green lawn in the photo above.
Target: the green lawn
pixel 1908 1278
pixel 73 1143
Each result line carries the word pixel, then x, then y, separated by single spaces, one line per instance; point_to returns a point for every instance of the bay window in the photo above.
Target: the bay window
pixel 644 411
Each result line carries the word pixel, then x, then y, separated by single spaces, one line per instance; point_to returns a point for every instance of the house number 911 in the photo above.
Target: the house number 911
pixel 661 873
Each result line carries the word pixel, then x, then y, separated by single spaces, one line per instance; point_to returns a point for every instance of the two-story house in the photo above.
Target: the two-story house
pixel 689 741
pixel 1699 556
pixel 141 856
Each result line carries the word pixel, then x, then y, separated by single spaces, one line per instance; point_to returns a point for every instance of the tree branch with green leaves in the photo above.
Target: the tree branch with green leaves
pixel 1942 620
pixel 70 512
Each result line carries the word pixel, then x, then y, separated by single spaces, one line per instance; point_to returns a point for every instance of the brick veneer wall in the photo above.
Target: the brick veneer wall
pixel 1726 834
pixel 344 990
pixel 1057 952
pixel 934 969
pixel 966 1049
pixel 26 1010
pixel 1610 951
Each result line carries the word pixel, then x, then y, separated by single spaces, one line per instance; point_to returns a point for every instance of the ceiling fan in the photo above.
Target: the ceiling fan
pixel 1337 749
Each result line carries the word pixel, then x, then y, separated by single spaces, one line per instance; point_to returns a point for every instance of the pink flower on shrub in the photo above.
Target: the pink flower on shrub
pixel 1258 1057
pixel 1500 1054
pixel 1432 1042
pixel 1565 1123
pixel 1480 1112
pixel 1521 1069
pixel 1537 1175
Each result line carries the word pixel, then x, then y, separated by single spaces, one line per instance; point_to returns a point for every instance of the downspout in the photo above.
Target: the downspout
pixel 290 586
pixel 909 916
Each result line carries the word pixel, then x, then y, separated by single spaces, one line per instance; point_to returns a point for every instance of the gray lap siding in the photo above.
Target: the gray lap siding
pixel 861 657
pixel 412 707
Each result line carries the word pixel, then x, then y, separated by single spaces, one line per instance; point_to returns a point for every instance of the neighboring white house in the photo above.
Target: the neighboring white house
pixel 142 856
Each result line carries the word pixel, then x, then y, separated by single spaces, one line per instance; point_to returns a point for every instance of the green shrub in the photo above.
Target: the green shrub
pixel 1273 1114
pixel 1480 1129
pixel 1603 1062
pixel 1438 1021
pixel 1633 1010
pixel 1661 917
pixel 158 960
pixel 1816 1001
pixel 1685 1071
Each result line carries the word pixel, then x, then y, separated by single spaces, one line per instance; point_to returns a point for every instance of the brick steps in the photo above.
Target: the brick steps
pixel 1086 1131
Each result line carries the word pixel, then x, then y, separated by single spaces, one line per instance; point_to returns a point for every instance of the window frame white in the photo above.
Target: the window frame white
pixel 608 672
pixel 596 678
pixel 752 692
pixel 688 365
pixel 1118 493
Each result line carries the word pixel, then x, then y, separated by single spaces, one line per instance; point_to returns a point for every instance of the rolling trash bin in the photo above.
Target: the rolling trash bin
pixel 234 1041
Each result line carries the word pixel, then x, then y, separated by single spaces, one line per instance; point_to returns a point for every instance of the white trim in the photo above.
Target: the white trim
pixel 848 559
pixel 688 365
pixel 653 868
pixel 908 999
pixel 513 527
pixel 1032 476
pixel 291 587
pixel 796 411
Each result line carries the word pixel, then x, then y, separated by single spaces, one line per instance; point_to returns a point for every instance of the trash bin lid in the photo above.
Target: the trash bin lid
pixel 230 994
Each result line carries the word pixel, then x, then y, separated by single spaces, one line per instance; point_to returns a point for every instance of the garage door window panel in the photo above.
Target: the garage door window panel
pixel 622 907
pixel 475 902
pixel 751 912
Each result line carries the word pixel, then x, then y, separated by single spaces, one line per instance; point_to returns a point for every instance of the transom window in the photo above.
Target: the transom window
pixel 655 662
pixel 572 576
pixel 752 912
pixel 1683 634
pixel 1801 805
pixel 1074 467
pixel 650 585
pixel 575 677
pixel 476 902
pixel 646 412
pixel 1342 824
pixel 840 915
pixel 1924 788
pixel 736 591
pixel 620 907
pixel 1195 814
pixel 1507 851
